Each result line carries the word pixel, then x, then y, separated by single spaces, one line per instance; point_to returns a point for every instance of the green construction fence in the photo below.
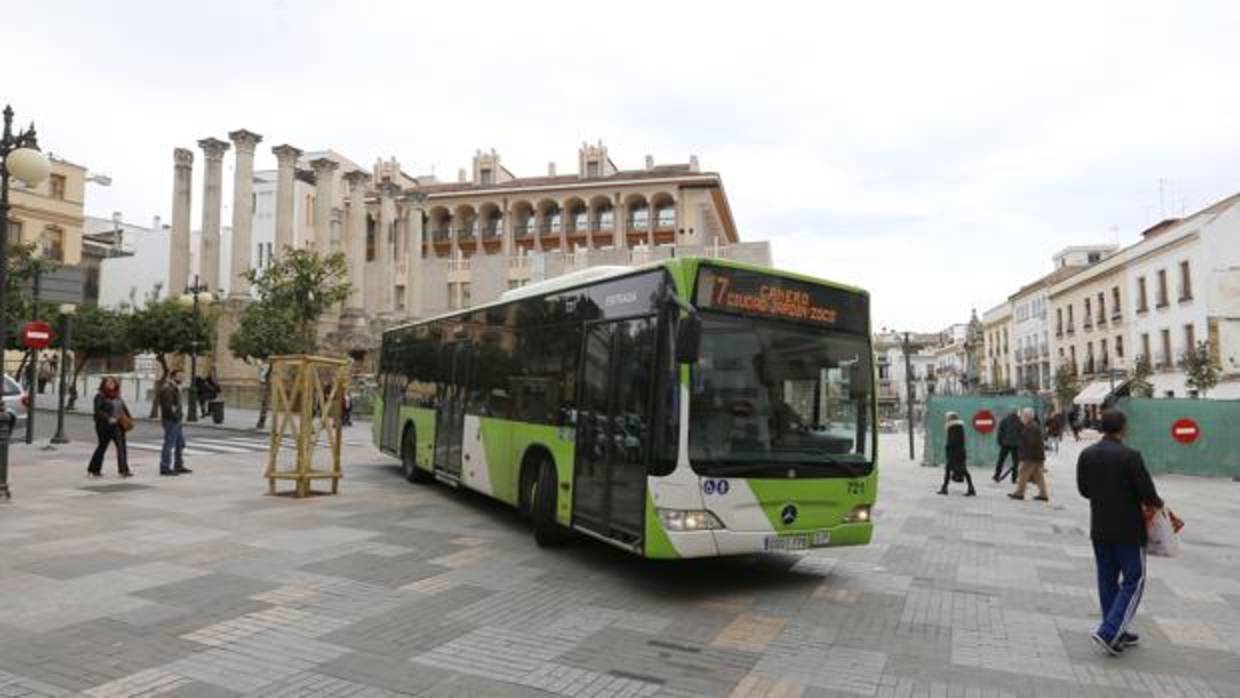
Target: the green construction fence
pixel 1208 434
pixel 981 448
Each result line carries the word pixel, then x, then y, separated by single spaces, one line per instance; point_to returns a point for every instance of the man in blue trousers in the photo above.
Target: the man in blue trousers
pixel 1114 480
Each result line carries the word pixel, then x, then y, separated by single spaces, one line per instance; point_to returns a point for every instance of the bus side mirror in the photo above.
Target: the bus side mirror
pixel 689 339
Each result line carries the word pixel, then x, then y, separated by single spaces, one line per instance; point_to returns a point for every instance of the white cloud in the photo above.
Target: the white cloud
pixel 935 153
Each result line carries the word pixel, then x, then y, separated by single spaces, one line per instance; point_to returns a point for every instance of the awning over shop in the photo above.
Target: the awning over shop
pixel 1093 394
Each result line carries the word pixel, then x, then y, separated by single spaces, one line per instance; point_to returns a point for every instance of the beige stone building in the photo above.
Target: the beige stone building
pixel 51 214
pixel 1089 323
pixel 996 349
pixel 418 246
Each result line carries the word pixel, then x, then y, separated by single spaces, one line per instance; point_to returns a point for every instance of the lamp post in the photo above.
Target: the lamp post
pixel 21 159
pixel 908 384
pixel 194 293
pixel 66 337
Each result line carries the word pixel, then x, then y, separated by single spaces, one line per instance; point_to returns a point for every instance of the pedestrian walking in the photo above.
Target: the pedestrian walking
pixel 1054 431
pixel 112 420
pixel 1032 457
pixel 44 375
pixel 1009 443
pixel 171 456
pixel 1113 478
pixel 956 467
pixel 1074 422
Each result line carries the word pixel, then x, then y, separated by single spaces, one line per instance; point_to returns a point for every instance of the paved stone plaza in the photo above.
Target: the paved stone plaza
pixel 203 586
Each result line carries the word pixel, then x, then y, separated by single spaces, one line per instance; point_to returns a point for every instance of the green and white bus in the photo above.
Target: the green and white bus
pixel 688 408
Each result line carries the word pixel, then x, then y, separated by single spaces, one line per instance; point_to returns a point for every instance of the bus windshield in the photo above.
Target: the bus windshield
pixel 770 396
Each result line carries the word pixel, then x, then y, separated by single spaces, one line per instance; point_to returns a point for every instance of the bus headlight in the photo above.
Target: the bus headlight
pixel 859 514
pixel 680 520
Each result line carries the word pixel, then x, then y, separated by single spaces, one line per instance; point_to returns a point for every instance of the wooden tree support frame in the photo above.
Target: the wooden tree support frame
pixel 307 400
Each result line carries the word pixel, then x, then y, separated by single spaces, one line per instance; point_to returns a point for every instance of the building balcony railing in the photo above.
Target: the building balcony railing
pixel 1117 316
pixel 523 230
pixel 492 233
pixel 465 234
pixel 462 264
pixel 1102 320
pixel 1087 325
pixel 520 262
pixel 602 226
pixel 1070 330
pixel 441 235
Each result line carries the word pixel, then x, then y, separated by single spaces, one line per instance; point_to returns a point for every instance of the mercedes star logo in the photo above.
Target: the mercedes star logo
pixel 789 514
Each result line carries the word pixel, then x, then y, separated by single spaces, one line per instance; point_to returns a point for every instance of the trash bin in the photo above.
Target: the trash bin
pixel 216 408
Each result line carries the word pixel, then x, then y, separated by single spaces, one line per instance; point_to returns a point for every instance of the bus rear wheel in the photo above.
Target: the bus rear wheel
pixel 547 531
pixel 408 459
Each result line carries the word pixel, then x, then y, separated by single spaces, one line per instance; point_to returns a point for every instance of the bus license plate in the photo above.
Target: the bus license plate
pixel 816 539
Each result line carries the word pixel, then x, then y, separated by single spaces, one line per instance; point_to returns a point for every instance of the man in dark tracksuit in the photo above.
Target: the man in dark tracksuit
pixel 1009 443
pixel 1114 480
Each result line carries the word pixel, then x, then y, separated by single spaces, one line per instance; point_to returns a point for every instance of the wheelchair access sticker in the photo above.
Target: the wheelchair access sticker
pixel 720 487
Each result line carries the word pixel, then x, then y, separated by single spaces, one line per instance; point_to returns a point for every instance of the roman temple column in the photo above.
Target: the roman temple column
pixel 286 157
pixel 355 242
pixel 324 179
pixel 213 150
pixel 178 247
pixel 384 244
pixel 243 210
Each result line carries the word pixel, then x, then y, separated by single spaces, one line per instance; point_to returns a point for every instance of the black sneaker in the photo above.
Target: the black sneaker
pixel 1110 648
pixel 1040 498
pixel 126 473
pixel 182 470
pixel 169 472
pixel 1129 640
pixel 971 493
pixel 1013 495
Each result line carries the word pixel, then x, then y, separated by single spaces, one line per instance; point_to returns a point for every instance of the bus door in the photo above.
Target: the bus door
pixel 393 394
pixel 457 364
pixel 614 429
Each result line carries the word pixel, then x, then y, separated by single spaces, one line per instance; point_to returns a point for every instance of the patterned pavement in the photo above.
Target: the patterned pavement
pixel 203 586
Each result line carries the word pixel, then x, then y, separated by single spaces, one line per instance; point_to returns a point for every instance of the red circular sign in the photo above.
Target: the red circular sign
pixel 36 335
pixel 984 421
pixel 1185 431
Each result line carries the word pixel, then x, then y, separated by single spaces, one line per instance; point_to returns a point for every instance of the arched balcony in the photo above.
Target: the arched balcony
pixel 602 219
pixel 466 226
pixel 441 229
pixel 550 222
pixel 637 218
pixel 492 224
pixel 576 218
pixel 523 223
pixel 664 217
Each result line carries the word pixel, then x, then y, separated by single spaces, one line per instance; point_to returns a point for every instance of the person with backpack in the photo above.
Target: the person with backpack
pixel 955 467
pixel 1009 443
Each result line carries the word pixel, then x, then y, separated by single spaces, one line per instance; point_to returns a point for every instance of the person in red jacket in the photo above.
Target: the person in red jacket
pixel 1114 480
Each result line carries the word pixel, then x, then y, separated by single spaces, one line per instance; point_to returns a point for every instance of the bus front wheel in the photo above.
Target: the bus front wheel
pixel 408 459
pixel 547 532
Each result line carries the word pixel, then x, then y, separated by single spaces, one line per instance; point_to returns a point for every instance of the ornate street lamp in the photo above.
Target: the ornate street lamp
pixel 195 293
pixel 21 159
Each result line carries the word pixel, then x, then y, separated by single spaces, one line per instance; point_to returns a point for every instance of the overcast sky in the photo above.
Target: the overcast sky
pixel 936 154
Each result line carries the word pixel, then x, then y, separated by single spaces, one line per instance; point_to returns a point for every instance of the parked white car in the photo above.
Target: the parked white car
pixel 15 398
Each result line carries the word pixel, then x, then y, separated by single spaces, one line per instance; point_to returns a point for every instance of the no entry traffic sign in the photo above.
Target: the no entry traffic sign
pixel 36 335
pixel 1185 431
pixel 984 421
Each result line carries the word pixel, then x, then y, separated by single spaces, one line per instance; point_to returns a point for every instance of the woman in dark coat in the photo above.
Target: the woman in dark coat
pixel 109 406
pixel 955 467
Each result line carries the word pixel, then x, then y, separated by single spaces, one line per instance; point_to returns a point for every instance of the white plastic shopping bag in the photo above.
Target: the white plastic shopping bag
pixel 1164 534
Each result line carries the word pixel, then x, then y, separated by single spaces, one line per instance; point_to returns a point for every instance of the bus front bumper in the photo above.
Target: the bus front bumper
pixel 726 542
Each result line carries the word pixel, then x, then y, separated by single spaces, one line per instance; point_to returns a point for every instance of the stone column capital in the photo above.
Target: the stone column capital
pixel 389 189
pixel 213 148
pixel 245 140
pixel 286 155
pixel 183 157
pixel 356 178
pixel 324 165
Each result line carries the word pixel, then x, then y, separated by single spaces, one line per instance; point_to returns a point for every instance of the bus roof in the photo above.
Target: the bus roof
pixel 592 275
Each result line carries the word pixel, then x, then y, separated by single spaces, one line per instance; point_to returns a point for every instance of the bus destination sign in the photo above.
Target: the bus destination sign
pixel 751 293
